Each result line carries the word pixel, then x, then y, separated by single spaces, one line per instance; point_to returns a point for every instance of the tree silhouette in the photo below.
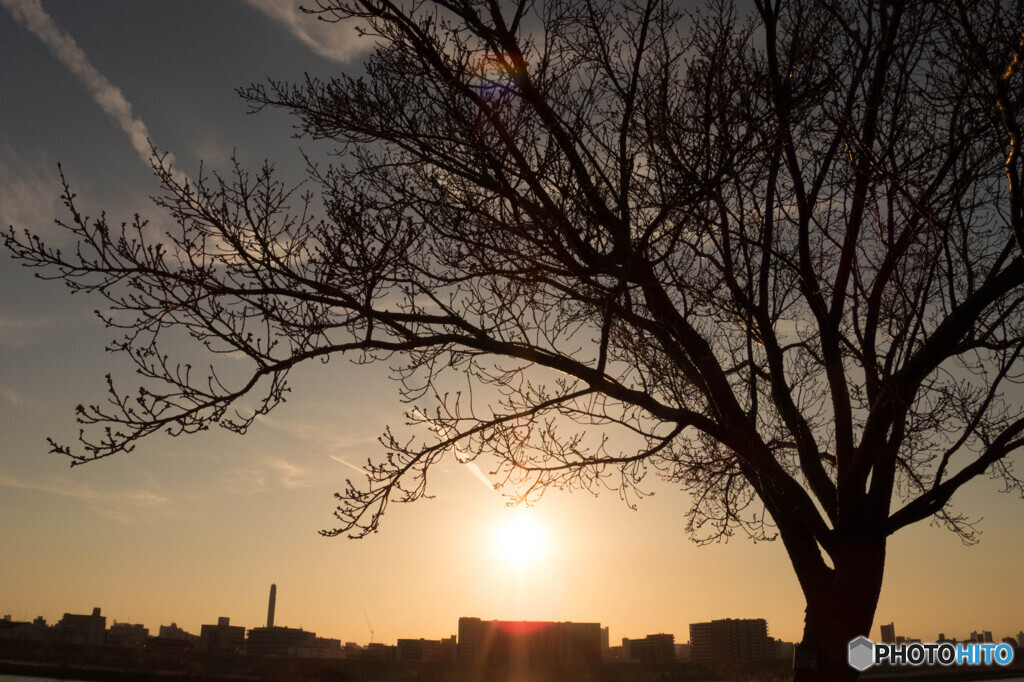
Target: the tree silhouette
pixel 775 259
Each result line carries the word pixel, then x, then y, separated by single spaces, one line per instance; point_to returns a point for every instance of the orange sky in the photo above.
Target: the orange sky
pixel 190 529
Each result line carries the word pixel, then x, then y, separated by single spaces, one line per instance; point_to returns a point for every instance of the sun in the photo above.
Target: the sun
pixel 520 540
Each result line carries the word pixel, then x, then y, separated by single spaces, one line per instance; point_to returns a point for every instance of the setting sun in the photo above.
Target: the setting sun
pixel 520 540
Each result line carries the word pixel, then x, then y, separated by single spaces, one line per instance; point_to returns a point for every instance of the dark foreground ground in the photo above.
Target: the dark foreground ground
pixel 110 664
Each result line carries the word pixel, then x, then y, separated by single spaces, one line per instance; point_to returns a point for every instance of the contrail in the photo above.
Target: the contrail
pixel 350 465
pixel 475 470
pixel 31 15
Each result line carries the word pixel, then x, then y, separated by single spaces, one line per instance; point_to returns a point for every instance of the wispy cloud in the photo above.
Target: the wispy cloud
pixel 16 399
pixel 266 475
pixel 328 439
pixel 472 467
pixel 337 41
pixel 245 482
pixel 19 332
pixel 289 475
pixel 123 506
pixel 31 196
pixel 319 438
pixel 31 15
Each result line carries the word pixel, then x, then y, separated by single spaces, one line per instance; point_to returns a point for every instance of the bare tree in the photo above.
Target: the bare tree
pixel 775 259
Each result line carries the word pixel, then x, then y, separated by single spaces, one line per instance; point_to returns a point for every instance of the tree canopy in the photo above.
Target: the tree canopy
pixel 773 256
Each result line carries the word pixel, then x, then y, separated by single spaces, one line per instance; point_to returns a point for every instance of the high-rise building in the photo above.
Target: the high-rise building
pixel 528 642
pixel 731 640
pixel 889 633
pixel 271 605
pixel 1020 639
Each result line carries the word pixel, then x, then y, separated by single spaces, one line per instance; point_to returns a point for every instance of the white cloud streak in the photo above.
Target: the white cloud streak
pixel 20 332
pixel 350 465
pixel 265 476
pixel 16 399
pixel 480 476
pixel 317 438
pixel 31 15
pixel 325 38
pixel 123 506
pixel 31 196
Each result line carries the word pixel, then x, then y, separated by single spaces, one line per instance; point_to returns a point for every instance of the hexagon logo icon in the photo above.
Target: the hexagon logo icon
pixel 862 653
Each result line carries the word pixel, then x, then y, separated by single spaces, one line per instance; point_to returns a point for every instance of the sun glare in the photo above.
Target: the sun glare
pixel 520 540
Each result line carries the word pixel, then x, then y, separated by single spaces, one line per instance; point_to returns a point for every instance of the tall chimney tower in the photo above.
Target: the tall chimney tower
pixel 270 606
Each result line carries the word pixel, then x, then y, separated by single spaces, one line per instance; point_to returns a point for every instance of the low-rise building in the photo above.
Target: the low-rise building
pixel 172 631
pixel 427 650
pixel 278 641
pixel 75 628
pixel 318 647
pixel 660 648
pixel 223 638
pixel 127 635
pixel 24 631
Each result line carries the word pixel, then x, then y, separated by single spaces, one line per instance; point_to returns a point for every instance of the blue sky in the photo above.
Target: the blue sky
pixel 195 528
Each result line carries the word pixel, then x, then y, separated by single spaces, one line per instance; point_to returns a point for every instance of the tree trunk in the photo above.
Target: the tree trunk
pixel 841 607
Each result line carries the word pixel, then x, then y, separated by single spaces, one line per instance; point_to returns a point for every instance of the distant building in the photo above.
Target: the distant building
pixel 271 604
pixel 127 635
pixel 171 646
pixel 683 652
pixel 731 640
pixel 528 642
pixel 889 633
pixel 1020 639
pixel 378 651
pixel 784 650
pixel 660 648
pixel 318 647
pixel 81 629
pixel 277 641
pixel 173 632
pixel 427 650
pixel 987 636
pixel 221 638
pixel 23 631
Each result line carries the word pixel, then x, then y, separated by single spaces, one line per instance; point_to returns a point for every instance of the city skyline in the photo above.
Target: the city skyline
pixel 186 530
pixel 887 633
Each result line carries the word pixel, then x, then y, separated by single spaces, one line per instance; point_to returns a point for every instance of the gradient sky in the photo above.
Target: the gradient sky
pixel 190 529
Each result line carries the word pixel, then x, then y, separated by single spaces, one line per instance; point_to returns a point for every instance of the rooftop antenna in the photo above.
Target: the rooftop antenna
pixel 369 626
